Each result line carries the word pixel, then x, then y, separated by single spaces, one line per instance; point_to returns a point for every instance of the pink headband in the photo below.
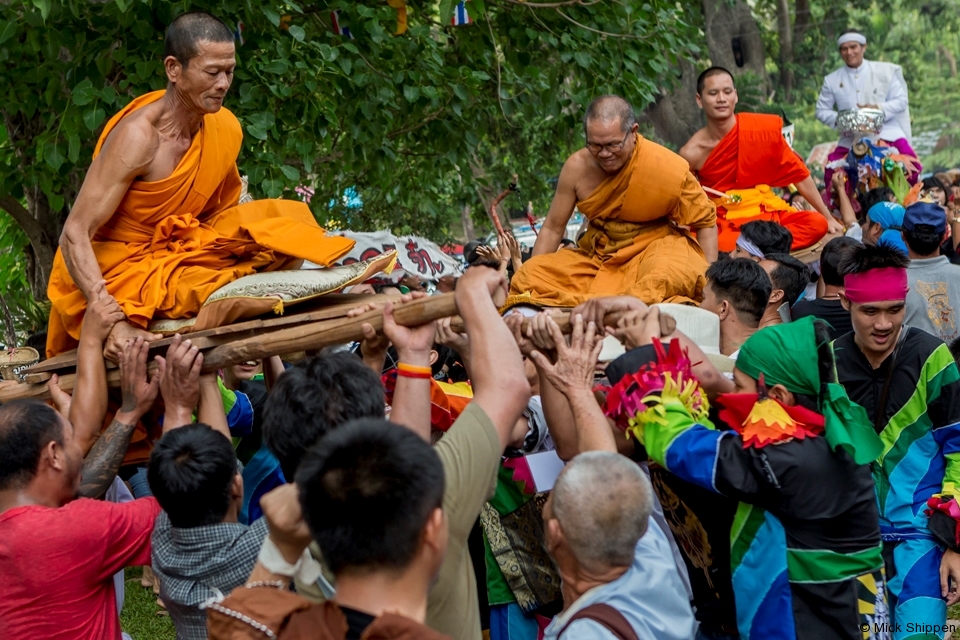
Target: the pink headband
pixel 876 285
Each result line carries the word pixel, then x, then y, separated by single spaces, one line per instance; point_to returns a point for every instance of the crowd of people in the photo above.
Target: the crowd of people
pixel 743 444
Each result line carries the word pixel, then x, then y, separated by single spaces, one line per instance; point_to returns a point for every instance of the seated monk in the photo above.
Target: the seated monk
pixel 157 215
pixel 745 155
pixel 644 207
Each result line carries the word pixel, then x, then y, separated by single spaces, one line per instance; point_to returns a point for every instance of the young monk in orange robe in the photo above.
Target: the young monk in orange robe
pixel 744 155
pixel 644 207
pixel 157 216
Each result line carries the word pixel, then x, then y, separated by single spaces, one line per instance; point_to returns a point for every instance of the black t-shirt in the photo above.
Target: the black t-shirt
pixel 830 310
pixel 357 622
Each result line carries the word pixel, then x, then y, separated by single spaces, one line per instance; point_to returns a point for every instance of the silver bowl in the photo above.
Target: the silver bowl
pixel 854 122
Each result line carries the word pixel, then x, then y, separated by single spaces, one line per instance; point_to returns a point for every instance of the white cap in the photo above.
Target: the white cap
pixel 703 329
pixel 851 36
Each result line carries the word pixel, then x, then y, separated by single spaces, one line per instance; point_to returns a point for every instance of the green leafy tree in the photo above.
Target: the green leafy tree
pixel 418 124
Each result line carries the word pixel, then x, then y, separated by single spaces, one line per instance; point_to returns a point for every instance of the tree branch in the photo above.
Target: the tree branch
pixel 603 33
pixel 21 216
pixel 422 123
pixel 553 5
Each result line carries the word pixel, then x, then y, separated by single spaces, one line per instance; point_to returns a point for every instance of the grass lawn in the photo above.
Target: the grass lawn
pixel 140 616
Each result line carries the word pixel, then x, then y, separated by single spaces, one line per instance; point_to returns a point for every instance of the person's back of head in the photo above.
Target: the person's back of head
pixel 372 494
pixel 28 428
pixel 598 510
pixel 924 229
pixel 789 275
pixel 740 283
pixel 193 475
pixel 769 237
pixel 869 257
pixel 188 30
pixel 832 255
pixel 314 397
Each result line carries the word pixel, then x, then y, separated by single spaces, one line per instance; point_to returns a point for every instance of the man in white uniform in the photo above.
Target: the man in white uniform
pixel 867 84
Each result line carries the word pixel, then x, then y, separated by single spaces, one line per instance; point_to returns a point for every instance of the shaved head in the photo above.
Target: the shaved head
pixel 709 73
pixel 602 501
pixel 610 108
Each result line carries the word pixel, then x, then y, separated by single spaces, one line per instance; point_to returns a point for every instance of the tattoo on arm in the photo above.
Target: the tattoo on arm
pixel 101 464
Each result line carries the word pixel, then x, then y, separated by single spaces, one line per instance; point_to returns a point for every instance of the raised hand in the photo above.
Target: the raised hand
pixel 103 312
pixel 284 516
pixel 139 391
pixel 637 328
pixel 409 341
pixel 180 382
pixel 514 322
pixel 596 310
pixel 480 278
pixel 457 341
pixel 575 363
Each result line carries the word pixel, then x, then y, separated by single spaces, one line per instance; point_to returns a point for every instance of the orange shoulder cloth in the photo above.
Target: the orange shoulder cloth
pixel 754 152
pixel 647 188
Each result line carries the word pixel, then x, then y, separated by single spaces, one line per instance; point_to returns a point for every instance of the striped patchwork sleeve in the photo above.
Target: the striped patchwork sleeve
pixel 698 453
pixel 942 379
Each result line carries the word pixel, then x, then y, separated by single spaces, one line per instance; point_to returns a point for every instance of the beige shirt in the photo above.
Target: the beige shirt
pixel 470 453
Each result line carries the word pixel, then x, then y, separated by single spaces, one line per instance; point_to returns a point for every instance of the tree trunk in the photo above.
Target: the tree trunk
pixel 801 21
pixel 42 228
pixel 786 48
pixel 733 38
pixel 675 115
pixel 469 233
pixel 951 60
pixel 733 42
pixel 9 329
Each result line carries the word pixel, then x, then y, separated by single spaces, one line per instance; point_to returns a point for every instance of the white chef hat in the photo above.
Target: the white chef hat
pixel 851 36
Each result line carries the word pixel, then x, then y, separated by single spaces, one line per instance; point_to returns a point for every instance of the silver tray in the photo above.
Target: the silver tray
pixel 860 121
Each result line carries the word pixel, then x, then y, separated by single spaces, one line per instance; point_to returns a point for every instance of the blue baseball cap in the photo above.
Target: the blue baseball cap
pixel 888 215
pixel 928 213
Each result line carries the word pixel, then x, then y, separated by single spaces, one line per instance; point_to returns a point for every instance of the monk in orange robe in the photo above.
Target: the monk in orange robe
pixel 157 217
pixel 744 155
pixel 651 231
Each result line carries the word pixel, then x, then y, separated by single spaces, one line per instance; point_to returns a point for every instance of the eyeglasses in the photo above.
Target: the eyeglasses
pixel 613 147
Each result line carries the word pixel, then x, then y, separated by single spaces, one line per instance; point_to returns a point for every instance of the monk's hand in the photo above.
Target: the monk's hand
pixel 139 391
pixel 121 333
pixel 180 382
pixel 604 312
pixel 103 312
pixel 575 363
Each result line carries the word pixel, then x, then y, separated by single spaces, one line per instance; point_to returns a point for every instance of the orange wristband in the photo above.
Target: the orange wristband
pixel 414 371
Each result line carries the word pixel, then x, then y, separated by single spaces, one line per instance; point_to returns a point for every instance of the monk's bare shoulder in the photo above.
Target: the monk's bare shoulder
pixel 697 149
pixel 133 144
pixel 581 174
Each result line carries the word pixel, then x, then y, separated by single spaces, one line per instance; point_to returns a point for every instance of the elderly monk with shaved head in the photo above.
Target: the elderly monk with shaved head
pixel 652 229
pixel 157 216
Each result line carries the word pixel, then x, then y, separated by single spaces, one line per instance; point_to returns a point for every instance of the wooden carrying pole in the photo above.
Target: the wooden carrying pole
pixel 307 337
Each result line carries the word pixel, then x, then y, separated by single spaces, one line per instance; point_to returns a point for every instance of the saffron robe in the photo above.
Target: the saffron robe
pixel 173 242
pixel 766 161
pixel 638 242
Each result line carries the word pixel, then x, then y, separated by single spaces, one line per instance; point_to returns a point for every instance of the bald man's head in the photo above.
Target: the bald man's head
pixel 602 501
pixel 610 108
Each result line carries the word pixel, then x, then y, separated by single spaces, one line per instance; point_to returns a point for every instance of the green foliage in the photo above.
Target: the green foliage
pixel 418 123
pixel 28 316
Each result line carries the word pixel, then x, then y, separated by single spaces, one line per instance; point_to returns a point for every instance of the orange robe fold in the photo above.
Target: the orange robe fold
pixel 173 242
pixel 766 161
pixel 638 243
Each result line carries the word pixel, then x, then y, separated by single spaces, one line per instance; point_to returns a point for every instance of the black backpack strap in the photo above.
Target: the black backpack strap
pixel 612 620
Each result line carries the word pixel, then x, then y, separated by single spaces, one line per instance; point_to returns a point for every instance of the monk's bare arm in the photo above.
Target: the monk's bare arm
pixel 707 237
pixel 695 152
pixel 564 200
pixel 126 154
pixel 808 189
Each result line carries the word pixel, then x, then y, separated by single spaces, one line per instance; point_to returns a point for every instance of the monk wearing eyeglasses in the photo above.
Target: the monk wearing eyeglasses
pixel 652 230
pixel 157 217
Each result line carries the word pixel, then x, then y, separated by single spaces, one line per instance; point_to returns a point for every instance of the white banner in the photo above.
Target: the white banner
pixel 416 256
